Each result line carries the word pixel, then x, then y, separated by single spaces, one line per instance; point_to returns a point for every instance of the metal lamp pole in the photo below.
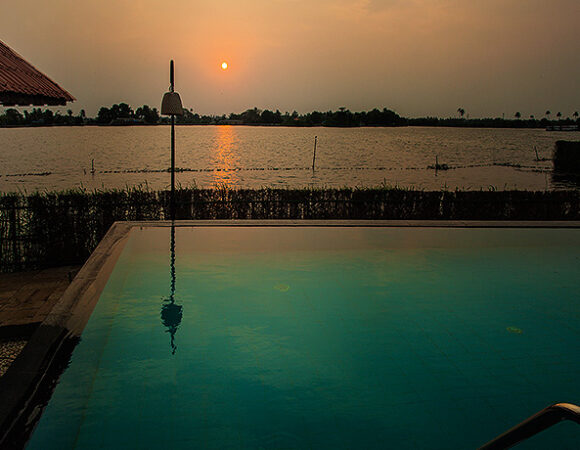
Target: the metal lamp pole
pixel 171 106
pixel 172 89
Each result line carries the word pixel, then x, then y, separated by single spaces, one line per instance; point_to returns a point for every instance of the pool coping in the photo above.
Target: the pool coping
pixel 363 223
pixel 52 343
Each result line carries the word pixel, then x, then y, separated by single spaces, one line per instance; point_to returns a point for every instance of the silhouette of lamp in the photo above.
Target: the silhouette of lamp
pixel 172 313
pixel 171 106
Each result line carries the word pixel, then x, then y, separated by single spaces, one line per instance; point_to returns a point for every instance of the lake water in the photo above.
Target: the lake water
pixel 252 157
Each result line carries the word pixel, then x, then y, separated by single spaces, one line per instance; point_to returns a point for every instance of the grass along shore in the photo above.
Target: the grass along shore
pixel 62 228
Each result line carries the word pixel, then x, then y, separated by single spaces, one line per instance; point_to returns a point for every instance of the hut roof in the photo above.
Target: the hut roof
pixel 22 84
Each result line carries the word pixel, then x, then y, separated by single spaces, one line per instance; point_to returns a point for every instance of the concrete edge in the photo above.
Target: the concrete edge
pixel 362 223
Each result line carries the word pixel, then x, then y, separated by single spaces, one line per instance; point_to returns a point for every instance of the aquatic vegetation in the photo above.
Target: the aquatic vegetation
pixel 514 330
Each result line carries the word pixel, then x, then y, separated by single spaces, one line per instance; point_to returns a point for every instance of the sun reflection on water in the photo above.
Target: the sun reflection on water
pixel 225 160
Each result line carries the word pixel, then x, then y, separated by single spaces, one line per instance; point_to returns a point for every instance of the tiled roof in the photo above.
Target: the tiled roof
pixel 22 84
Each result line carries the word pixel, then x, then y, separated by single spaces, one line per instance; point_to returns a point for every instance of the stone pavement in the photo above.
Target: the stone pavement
pixel 25 300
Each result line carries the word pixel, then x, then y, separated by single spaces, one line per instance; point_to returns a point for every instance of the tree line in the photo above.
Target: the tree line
pixel 117 114
pixel 13 117
pixel 124 114
pixel 496 122
pixel 341 118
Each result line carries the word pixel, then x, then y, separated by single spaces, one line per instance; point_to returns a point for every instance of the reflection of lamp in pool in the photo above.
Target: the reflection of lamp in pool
pixel 172 313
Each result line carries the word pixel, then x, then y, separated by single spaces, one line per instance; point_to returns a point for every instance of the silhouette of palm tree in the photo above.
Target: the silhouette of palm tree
pixel 461 111
pixel 575 114
pixel 517 115
pixel 548 112
pixel 559 115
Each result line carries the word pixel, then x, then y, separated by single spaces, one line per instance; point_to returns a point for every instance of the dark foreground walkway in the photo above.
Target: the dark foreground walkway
pixel 25 300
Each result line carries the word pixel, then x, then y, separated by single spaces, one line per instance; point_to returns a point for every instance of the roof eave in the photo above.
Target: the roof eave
pixel 19 99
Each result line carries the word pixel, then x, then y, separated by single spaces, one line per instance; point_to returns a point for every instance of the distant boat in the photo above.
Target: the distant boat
pixel 563 128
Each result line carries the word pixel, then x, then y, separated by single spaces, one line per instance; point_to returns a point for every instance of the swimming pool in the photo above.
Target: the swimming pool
pixel 324 337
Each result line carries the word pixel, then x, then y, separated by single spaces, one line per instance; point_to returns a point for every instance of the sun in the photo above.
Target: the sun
pixel 224 65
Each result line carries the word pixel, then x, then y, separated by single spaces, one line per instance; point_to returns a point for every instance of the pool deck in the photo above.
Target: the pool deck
pixel 26 298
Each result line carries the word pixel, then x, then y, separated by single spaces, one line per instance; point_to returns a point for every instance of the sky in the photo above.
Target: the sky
pixel 416 57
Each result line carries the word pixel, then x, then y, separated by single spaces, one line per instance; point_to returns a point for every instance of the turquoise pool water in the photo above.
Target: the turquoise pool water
pixel 325 338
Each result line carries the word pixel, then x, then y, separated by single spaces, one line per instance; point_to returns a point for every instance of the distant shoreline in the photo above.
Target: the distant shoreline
pixel 444 124
pixel 123 115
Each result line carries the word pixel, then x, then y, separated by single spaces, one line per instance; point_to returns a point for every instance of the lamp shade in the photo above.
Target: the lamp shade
pixel 171 104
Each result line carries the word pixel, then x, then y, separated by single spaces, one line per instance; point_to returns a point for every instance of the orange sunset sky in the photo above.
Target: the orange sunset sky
pixel 418 57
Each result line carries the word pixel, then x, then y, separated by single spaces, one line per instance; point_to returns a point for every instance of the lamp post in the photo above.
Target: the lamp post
pixel 171 106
